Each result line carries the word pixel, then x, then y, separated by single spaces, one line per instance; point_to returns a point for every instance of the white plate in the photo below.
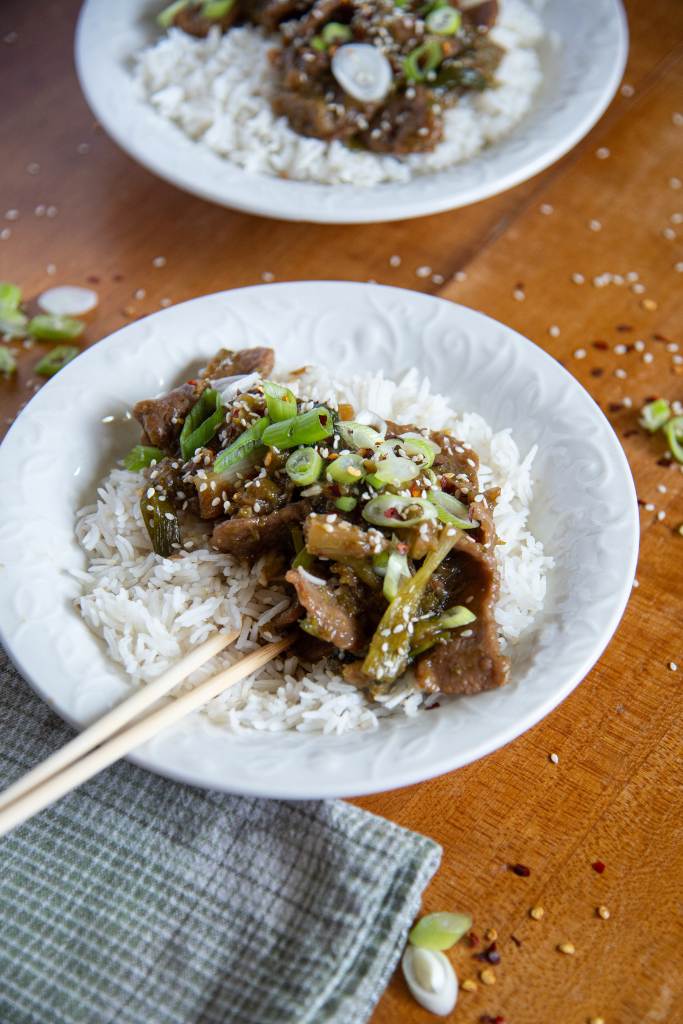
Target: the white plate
pixel 579 82
pixel 584 511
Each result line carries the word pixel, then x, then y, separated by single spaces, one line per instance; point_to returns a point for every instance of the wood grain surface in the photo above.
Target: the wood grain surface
pixel 86 213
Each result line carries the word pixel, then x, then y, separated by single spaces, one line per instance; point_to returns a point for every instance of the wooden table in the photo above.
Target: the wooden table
pixel 87 213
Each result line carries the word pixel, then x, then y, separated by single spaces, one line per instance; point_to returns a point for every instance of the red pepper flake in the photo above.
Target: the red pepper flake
pixel 641 503
pixel 490 955
pixel 520 869
pixel 486 1018
pixel 651 398
pixel 597 371
pixel 624 328
pixel 630 433
pixel 472 940
pixel 602 346
pixel 598 866
pixel 432 707
pixel 92 279
pixel 117 277
pixel 666 463
pixel 614 407
pixel 391 513
pixel 517 942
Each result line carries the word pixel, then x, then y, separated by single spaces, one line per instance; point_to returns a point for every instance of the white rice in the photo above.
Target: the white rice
pixel 149 610
pixel 217 90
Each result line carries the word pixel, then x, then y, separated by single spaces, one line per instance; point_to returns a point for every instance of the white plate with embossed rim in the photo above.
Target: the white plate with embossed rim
pixel 584 510
pixel 580 78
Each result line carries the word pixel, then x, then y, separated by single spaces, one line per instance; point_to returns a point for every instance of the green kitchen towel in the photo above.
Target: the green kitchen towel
pixel 136 900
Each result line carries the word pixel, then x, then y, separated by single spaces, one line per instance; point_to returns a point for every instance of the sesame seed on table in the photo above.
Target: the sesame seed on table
pixel 586 260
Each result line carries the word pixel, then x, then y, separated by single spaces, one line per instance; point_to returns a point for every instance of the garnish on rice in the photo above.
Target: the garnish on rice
pixel 378 531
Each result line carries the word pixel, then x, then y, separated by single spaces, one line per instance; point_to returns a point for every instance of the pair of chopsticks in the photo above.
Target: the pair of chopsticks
pixel 121 729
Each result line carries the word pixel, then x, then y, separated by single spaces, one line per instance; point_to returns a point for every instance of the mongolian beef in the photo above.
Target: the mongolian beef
pixel 378 531
pixel 377 76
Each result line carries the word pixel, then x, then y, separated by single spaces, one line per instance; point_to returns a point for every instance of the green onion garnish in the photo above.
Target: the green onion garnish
pixel 393 511
pixel 335 33
pixel 307 428
pixel 451 511
pixel 243 452
pixel 673 431
pixel 428 632
pixel 142 456
pixel 396 571
pixel 439 931
pixel 13 323
pixel 10 295
pixel 203 420
pixel 422 60
pixel 346 504
pixel 304 466
pixel 214 10
pixel 48 327
pixel 280 401
pixel 8 364
pixel 161 523
pixel 444 21
pixel 395 471
pixel 358 435
pixel 50 364
pixel 166 18
pixel 347 469
pixel 422 448
pixel 655 414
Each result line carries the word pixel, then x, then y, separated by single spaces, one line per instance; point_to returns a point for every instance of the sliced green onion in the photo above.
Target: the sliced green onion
pixel 161 523
pixel 444 21
pixel 358 435
pixel 244 451
pixel 439 931
pixel 380 562
pixel 53 362
pixel 307 428
pixel 214 10
pixel 280 401
pixel 393 511
pixel 375 482
pixel 10 295
pixel 166 18
pixel 47 327
pixel 335 33
pixel 395 471
pixel 142 456
pixel 422 60
pixel 8 364
pixel 347 469
pixel 346 504
pixel 13 323
pixel 451 511
pixel 428 632
pixel 397 570
pixel 201 423
pixel 318 43
pixel 389 651
pixel 673 431
pixel 303 557
pixel 304 466
pixel 655 414
pixel 422 448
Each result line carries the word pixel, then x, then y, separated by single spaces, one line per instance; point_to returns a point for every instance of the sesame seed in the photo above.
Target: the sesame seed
pixel 580 353
pixel 595 225
pixel 51 212
pixel 621 374
pixel 603 153
pixel 51 269
pixel 536 913
pixel 648 357
pixel 487 976
pixel 461 275
pixel 519 294
pixel 394 261
pixel 567 948
pixel 677 119
pixel 650 305
pixel 267 277
pixel 554 331
pixel 675 183
pixel 603 913
pixel 437 279
pixel 639 345
pixel 165 303
pixel 468 985
pixel 673 667
pixel 423 271
pixel 547 209
pixel 140 294
pixel 7 233
pixel 620 350
pixel 669 234
pixel 159 261
pixel 12 215
pixel 555 758
pixel 578 278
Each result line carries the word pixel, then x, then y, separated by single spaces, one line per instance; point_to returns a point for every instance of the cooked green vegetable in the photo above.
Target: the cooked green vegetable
pixel 166 18
pixel 49 327
pixel 394 511
pixel 10 295
pixel 451 511
pixel 141 456
pixel 395 471
pixel 439 931
pixel 655 414
pixel 8 364
pixel 214 10
pixel 244 452
pixel 304 466
pixel 422 448
pixel 13 323
pixel 306 428
pixel 203 420
pixel 428 632
pixel 347 469
pixel 445 21
pixel 422 60
pixel 333 34
pixel 346 504
pixel 161 523
pixel 389 651
pixel 280 401
pixel 53 362
pixel 358 435
pixel 396 571
pixel 673 431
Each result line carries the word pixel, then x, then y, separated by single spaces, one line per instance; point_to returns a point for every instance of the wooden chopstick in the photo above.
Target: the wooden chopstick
pixel 119 717
pixel 57 786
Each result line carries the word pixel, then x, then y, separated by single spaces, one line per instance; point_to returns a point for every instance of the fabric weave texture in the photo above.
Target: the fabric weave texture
pixel 136 900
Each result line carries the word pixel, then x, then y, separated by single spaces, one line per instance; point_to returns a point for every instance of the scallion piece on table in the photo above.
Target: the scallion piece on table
pixel 389 651
pixel 422 60
pixel 428 632
pixel 47 327
pixel 280 402
pixel 394 511
pixel 439 931
pixel 214 10
pixel 655 414
pixel 347 469
pixel 10 295
pixel 166 18
pixel 161 523
pixel 53 362
pixel 306 428
pixel 202 422
pixel 141 456
pixel 444 21
pixel 396 571
pixel 358 435
pixel 244 451
pixel 673 431
pixel 451 511
pixel 8 364
pixel 13 323
pixel 304 466
pixel 346 503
